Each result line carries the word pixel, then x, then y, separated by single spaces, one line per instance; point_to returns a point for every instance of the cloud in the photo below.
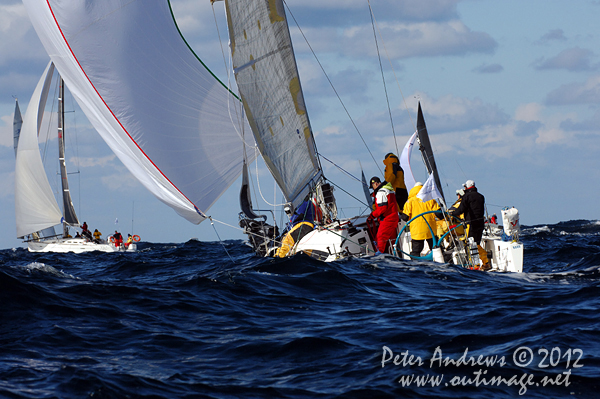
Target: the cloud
pixel 524 129
pixel 92 162
pixel 18 40
pixel 6 131
pixel 573 60
pixel 425 39
pixel 342 13
pixel 449 113
pixel 576 93
pixel 553 35
pixel 488 68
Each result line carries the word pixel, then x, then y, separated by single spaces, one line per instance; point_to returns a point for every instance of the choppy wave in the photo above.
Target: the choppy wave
pixel 209 319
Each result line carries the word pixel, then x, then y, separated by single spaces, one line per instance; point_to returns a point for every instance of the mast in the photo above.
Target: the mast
pixel 70 218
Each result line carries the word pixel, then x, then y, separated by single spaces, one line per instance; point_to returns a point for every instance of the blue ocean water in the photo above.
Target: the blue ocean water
pixel 190 321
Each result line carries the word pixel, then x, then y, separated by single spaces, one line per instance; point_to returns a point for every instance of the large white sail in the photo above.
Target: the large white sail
pixel 35 205
pixel 267 78
pixel 162 112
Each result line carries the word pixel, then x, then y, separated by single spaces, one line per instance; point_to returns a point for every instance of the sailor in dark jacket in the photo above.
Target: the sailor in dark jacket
pixel 473 207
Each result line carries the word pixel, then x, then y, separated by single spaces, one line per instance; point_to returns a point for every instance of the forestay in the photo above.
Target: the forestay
pixel 161 111
pixel 35 205
pixel 268 81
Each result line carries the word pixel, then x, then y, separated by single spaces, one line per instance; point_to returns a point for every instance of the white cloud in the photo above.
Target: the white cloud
pixel 587 92
pixel 91 162
pixel 528 112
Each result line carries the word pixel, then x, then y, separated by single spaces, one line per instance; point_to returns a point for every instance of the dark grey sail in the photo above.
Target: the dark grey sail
pixel 426 150
pixel 68 209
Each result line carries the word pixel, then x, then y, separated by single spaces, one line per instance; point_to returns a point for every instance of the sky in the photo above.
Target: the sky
pixel 510 92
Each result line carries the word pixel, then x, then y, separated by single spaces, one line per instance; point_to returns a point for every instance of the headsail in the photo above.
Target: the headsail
pixel 35 205
pixel 267 78
pixel 427 151
pixel 160 110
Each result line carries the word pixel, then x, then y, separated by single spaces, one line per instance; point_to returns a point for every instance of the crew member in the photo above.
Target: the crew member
pixel 301 223
pixel 422 227
pixel 129 241
pixel 97 236
pixel 386 210
pixel 394 174
pixel 118 239
pixel 472 206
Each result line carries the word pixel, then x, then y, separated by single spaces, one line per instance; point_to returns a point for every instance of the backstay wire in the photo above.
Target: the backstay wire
pixel 391 66
pixel 387 99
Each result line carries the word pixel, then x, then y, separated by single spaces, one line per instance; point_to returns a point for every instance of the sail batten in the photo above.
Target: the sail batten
pixel 160 110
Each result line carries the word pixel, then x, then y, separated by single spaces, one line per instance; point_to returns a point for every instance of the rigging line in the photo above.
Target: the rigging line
pixel 392 66
pixel 240 118
pixel 242 230
pixel 339 167
pixel 260 190
pixel 331 84
pixel 349 194
pixel 387 99
pixel 221 241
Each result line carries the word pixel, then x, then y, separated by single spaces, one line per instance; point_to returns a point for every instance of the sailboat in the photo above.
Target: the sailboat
pixel 36 209
pixel 183 133
pixel 503 248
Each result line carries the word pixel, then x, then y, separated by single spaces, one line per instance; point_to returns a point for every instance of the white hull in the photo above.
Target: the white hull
pixel 349 237
pixel 507 256
pixel 75 245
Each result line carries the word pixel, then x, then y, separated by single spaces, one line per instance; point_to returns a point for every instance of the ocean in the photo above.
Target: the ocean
pixel 210 320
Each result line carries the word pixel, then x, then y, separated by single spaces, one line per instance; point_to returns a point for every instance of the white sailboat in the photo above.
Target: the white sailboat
pixel 503 248
pixel 180 131
pixel 36 209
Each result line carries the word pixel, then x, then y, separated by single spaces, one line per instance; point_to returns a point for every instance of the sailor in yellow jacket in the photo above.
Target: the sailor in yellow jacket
pixel 419 228
pixel 394 174
pixel 301 223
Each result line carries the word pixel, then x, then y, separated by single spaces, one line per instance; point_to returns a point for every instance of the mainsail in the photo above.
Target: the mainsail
pixel 17 123
pixel 267 78
pixel 160 110
pixel 35 205
pixel 427 151
pixel 68 209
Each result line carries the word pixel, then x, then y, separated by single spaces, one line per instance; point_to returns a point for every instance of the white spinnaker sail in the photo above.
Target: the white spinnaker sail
pixel 267 78
pixel 160 110
pixel 35 205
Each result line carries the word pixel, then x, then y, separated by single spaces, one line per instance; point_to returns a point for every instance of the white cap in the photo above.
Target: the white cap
pixel 418 184
pixel 469 184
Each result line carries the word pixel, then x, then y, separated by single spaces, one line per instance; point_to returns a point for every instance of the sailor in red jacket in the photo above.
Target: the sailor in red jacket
pixel 386 210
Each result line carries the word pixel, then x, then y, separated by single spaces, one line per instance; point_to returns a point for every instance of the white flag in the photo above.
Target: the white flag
pixel 429 190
